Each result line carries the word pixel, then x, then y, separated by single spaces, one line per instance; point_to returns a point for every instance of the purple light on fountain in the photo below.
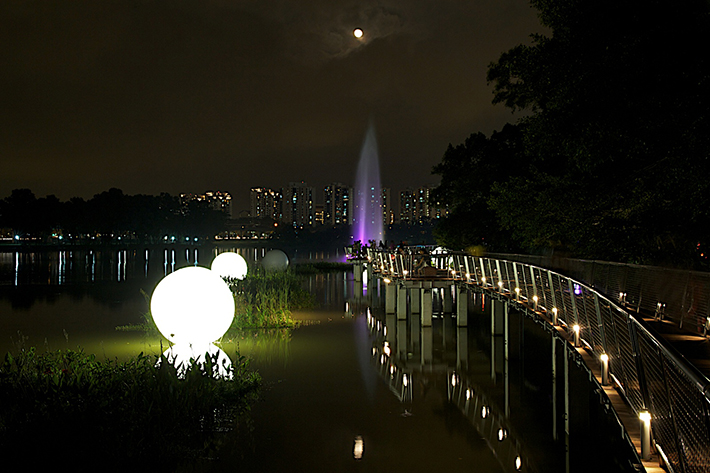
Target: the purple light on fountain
pixel 367 215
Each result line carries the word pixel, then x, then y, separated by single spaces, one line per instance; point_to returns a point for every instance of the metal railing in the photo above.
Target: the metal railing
pixel 679 296
pixel 649 374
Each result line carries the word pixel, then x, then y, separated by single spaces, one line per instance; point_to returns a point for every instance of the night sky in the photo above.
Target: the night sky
pixel 185 96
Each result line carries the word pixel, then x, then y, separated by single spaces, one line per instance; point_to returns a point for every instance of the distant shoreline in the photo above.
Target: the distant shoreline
pixel 13 246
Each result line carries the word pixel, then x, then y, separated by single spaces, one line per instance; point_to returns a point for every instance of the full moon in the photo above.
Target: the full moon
pixel 357 32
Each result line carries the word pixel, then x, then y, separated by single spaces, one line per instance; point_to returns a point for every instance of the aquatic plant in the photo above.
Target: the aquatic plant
pixel 266 299
pixel 69 404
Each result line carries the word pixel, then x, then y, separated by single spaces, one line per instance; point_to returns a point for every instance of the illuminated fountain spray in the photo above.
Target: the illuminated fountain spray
pixel 367 211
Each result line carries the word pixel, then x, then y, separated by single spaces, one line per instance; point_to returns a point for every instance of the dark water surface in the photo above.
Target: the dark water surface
pixel 335 398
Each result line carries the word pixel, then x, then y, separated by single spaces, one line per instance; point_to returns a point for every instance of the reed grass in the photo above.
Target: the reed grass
pixel 266 299
pixel 70 406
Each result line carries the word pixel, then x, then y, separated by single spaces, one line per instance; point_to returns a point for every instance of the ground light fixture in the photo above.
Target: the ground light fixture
pixel 192 306
pixel 230 265
pixel 645 421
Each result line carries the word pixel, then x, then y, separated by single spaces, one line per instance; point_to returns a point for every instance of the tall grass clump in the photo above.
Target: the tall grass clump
pixel 68 407
pixel 266 298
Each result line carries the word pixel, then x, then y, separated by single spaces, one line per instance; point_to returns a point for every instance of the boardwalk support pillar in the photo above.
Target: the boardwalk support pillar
pixel 461 306
pixel 426 307
pixel 401 302
pixel 390 297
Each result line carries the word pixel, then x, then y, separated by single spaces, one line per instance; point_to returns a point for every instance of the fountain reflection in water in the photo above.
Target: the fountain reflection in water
pixel 367 214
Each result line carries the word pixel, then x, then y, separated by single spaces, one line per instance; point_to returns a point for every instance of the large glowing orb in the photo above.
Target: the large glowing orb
pixel 230 265
pixel 275 260
pixel 193 305
pixel 357 32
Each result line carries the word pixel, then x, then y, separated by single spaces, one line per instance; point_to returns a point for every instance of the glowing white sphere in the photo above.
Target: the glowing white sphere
pixel 193 305
pixel 357 32
pixel 230 265
pixel 275 260
pixel 180 356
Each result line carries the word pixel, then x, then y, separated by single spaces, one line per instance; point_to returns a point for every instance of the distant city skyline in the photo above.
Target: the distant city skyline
pixel 300 203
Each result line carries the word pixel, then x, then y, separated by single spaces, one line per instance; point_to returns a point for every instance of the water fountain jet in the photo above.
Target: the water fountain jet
pixel 367 215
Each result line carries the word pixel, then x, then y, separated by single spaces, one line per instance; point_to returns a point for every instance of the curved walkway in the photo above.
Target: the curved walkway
pixel 654 367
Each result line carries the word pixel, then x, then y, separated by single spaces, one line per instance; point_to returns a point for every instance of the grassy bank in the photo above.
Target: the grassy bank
pixel 67 406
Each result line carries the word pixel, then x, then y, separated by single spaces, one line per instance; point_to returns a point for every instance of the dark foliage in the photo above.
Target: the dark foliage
pixel 616 138
pixel 69 407
pixel 108 216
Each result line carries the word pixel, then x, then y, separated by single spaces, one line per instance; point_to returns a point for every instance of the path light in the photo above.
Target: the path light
pixel 605 369
pixel 517 294
pixel 485 410
pixel 554 316
pixel 500 286
pixel 502 434
pixel 535 302
pixel 192 306
pixel 645 419
pixel 518 463
pixel 230 265
pixel 576 329
pixel 483 280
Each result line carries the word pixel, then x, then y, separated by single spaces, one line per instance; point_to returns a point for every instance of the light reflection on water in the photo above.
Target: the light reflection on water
pixel 355 389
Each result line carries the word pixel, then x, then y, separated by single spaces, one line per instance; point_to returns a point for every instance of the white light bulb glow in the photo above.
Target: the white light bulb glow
pixel 192 306
pixel 180 356
pixel 230 265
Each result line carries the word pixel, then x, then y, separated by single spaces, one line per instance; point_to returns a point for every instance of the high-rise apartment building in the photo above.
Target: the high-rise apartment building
pixel 299 205
pixel 217 200
pixel 266 203
pixel 406 206
pixel 386 203
pixel 337 207
pixel 415 206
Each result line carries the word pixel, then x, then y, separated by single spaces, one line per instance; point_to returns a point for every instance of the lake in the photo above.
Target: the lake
pixel 335 396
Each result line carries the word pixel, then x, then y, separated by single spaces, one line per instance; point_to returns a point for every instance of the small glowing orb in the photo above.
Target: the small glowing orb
pixel 230 265
pixel 274 260
pixel 357 32
pixel 193 305
pixel 180 356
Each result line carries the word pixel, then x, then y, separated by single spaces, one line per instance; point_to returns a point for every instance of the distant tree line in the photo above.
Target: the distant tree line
pixel 611 158
pixel 108 216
